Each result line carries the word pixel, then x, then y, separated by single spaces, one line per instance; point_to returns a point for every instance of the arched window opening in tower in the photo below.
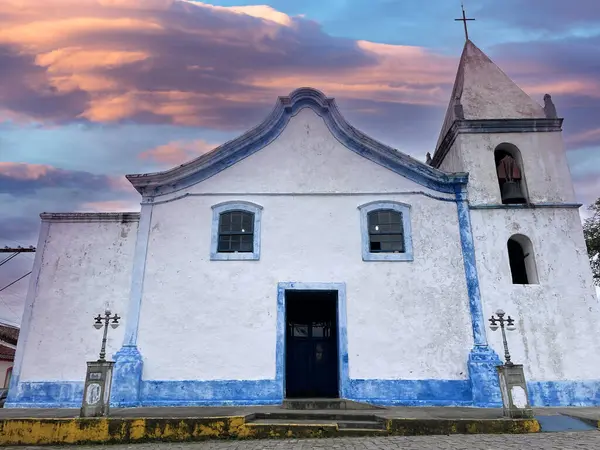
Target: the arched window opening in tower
pixel 510 176
pixel 522 260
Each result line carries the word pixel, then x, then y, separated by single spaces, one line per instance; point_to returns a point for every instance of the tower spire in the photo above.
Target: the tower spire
pixel 464 21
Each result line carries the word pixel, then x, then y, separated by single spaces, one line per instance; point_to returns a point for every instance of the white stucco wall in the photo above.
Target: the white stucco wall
pixel 86 267
pixel 545 166
pixel 406 320
pixel 558 319
pixel 453 162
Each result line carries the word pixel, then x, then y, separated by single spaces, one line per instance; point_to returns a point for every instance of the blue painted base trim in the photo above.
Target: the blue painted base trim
pixel 212 392
pixel 239 402
pixel 51 405
pixel 47 394
pixel 68 394
pixel 411 392
pixel 415 403
pixel 485 386
pixel 127 378
pixel 564 393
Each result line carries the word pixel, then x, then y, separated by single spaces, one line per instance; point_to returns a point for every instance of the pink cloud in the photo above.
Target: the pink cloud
pixel 110 206
pixel 46 176
pixel 177 152
pixel 590 88
pixel 192 63
pixel 23 171
pixel 585 137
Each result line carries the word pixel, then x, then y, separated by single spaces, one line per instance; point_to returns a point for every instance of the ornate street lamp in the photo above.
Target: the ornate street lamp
pixel 513 386
pixel 96 392
pixel 510 326
pixel 114 323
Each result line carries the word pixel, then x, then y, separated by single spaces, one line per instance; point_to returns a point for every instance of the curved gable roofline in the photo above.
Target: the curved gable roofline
pixel 213 162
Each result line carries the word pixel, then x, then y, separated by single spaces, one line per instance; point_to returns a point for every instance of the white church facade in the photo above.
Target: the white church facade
pixel 305 259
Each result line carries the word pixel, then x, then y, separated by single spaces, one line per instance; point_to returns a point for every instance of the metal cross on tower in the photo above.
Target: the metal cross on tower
pixel 464 21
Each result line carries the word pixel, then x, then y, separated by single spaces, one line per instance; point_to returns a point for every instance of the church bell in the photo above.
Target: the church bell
pixel 512 193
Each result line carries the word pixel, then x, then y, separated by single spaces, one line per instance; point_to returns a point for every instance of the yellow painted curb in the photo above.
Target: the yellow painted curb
pixel 117 430
pixel 113 430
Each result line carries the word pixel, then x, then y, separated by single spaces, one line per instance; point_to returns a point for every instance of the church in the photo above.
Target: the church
pixel 305 259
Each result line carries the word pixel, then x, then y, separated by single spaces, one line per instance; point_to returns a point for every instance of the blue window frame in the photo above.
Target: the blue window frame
pixel 235 231
pixel 386 232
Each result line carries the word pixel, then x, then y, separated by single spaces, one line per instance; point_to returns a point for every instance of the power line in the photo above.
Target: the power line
pixel 9 258
pixel 10 309
pixel 18 279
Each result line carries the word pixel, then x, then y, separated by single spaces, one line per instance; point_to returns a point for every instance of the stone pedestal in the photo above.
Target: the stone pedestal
pixel 515 399
pixel 96 391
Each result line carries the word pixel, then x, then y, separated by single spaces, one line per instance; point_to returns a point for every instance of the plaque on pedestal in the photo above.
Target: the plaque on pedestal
pixel 513 387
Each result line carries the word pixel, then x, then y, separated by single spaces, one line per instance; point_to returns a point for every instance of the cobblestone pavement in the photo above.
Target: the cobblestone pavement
pixel 545 441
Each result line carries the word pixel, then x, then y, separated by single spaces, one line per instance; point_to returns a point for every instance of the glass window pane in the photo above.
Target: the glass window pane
pixel 224 244
pixel 300 330
pixel 392 246
pixel 247 223
pixel 387 243
pixel 246 243
pixel 396 217
pixel 384 221
pixel 236 232
pixel 236 222
pixel 224 222
pixel 388 237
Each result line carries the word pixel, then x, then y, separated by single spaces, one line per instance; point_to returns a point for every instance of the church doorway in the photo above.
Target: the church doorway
pixel 311 349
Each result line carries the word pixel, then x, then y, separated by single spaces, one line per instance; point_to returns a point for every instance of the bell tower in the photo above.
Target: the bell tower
pixel 511 146
pixel 522 218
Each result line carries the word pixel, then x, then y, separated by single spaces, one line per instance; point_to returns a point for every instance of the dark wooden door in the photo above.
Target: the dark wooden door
pixel 311 345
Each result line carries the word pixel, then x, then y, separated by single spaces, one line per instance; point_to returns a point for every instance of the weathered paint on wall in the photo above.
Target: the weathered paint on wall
pixel 557 319
pixel 313 238
pixel 545 166
pixel 86 267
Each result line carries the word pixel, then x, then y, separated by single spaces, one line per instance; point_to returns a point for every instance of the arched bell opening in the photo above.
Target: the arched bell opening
pixel 521 258
pixel 509 170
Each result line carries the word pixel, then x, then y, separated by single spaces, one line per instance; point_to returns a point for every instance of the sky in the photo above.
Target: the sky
pixel 91 90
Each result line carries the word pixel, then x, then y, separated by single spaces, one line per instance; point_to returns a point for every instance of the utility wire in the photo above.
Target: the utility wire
pixel 18 279
pixel 9 258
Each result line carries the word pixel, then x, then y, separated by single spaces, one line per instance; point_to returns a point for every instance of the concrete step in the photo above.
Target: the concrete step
pixel 279 428
pixel 358 432
pixel 326 403
pixel 279 422
pixel 361 424
pixel 295 416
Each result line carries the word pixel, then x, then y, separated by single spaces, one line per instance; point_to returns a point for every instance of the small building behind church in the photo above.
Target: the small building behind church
pixel 9 336
pixel 305 259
